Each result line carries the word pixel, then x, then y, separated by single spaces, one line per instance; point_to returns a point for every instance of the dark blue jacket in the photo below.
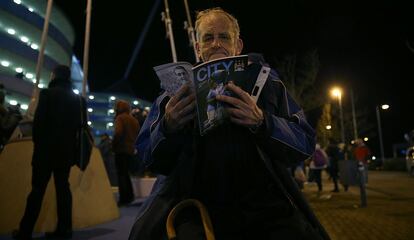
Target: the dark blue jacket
pixel 286 140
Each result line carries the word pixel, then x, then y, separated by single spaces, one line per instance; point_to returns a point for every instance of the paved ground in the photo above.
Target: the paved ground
pixel 389 215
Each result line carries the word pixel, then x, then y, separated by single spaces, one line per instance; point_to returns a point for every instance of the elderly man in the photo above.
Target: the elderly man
pixel 239 169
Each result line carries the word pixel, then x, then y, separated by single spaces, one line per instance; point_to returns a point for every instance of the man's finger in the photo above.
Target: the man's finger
pixel 244 96
pixel 177 96
pixel 232 101
pixel 184 102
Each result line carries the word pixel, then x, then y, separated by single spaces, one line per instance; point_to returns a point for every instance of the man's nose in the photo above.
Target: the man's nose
pixel 216 42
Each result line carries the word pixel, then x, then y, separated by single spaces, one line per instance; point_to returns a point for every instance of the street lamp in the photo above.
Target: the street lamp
pixel 384 107
pixel 337 93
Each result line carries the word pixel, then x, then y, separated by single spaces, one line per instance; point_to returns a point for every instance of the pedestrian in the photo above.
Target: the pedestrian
pixel 125 134
pixel 239 170
pixel 57 120
pixel 333 153
pixel 105 147
pixel 319 161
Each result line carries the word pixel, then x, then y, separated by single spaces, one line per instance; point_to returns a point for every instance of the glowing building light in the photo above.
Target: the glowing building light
pixel 17 1
pixel 13 102
pixel 5 63
pixel 76 91
pixel 19 69
pixel 136 102
pixel 29 75
pixel 34 46
pixel 11 31
pixel 90 110
pixel 91 97
pixel 24 106
pixel 24 39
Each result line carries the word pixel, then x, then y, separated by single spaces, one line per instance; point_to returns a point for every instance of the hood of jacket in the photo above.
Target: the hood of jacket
pixel 122 106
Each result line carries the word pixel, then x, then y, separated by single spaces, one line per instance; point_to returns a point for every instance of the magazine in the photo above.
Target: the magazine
pixel 208 80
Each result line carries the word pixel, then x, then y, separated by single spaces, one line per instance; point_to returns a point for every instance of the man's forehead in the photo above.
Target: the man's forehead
pixel 215 22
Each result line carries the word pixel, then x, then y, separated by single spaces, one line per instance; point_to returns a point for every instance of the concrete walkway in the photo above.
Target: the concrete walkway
pixel 389 215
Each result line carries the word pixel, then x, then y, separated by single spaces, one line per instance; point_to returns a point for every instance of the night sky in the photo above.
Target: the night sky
pixel 362 47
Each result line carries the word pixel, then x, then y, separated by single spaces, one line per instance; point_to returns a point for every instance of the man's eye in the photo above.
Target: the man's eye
pixel 207 38
pixel 224 36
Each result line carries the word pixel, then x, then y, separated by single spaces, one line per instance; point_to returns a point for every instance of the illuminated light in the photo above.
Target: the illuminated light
pixel 136 102
pixel 24 39
pixel 41 85
pixel 17 1
pixel 89 123
pixel 365 139
pixel 147 108
pixel 76 91
pixel 385 106
pixel 336 92
pixel 33 80
pixel 112 98
pixel 111 111
pixel 328 127
pixel 11 31
pixel 34 46
pixel 91 97
pixel 13 102
pixel 373 158
pixel 24 106
pixel 19 70
pixel 90 110
pixel 110 124
pixel 352 142
pixel 30 9
pixel 29 75
pixel 5 63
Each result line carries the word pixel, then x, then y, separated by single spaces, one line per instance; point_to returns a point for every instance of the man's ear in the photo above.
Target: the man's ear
pixel 198 49
pixel 239 46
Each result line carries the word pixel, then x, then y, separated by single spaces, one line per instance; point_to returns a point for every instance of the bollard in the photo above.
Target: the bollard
pixel 362 190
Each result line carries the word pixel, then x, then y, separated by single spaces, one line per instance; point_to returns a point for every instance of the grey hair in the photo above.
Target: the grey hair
pixel 216 10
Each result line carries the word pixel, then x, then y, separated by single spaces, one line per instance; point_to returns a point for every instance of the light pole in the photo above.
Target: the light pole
pixel 384 107
pixel 337 93
pixel 353 116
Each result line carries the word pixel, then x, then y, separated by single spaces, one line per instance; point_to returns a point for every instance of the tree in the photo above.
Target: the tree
pixel 322 133
pixel 299 74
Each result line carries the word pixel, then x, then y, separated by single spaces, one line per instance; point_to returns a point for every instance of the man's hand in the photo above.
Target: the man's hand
pixel 244 110
pixel 179 109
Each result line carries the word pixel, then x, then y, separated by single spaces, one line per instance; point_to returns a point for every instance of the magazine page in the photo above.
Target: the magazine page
pixel 210 79
pixel 173 75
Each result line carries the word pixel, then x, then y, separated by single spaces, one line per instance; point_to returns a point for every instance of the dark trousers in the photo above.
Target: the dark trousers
pixel 126 194
pixel 40 179
pixel 316 175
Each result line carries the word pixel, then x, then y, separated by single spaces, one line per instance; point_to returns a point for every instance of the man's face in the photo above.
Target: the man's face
pixel 217 39
pixel 182 74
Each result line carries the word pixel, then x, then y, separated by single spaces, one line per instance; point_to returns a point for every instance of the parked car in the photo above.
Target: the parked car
pixel 409 158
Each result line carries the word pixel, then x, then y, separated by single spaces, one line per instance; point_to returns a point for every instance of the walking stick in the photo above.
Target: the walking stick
pixel 205 218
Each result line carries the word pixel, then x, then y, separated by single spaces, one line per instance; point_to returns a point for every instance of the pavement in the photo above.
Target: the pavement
pixel 389 214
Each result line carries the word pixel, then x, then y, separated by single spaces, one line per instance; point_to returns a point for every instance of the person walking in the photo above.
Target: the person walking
pixel 125 134
pixel 57 120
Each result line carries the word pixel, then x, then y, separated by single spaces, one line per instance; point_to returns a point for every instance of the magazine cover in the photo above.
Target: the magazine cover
pixel 210 79
pixel 173 75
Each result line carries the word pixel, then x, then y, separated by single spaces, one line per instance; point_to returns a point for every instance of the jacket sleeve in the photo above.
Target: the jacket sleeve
pixel 40 116
pixel 158 151
pixel 285 134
